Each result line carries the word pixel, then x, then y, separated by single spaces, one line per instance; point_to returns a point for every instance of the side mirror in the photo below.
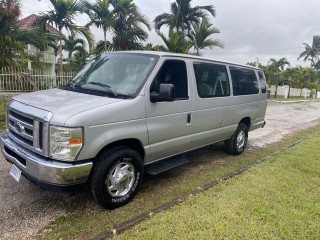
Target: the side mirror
pixel 165 94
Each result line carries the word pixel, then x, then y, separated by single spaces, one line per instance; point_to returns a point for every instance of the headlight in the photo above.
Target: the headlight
pixel 65 143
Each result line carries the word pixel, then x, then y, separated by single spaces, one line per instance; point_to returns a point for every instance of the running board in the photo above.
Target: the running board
pixel 166 165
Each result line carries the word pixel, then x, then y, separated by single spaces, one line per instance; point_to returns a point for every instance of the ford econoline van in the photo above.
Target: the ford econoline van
pixel 129 113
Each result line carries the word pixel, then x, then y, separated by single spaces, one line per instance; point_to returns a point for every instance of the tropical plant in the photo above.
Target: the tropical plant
pixel 63 17
pixel 102 46
pixel 182 16
pixel 126 37
pixel 312 53
pixel 77 61
pixel 291 76
pixel 277 67
pixel 304 77
pixel 151 47
pixel 315 81
pixel 13 39
pixel 74 47
pixel 123 18
pixel 127 31
pixel 100 16
pixel 255 64
pixel 200 33
pixel 73 44
pixel 176 42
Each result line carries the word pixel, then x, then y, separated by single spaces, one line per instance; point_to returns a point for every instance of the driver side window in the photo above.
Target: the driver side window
pixel 173 72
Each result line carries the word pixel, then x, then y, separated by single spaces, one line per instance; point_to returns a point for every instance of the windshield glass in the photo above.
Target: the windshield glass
pixel 114 74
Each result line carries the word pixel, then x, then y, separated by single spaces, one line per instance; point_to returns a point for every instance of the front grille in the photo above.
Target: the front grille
pixel 26 129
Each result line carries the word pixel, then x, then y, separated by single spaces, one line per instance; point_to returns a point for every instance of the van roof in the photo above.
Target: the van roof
pixel 170 54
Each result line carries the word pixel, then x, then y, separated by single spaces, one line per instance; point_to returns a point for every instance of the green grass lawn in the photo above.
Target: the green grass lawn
pixel 85 219
pixel 277 199
pixel 2 113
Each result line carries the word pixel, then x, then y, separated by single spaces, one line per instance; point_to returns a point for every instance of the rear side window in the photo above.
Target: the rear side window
pixel 263 82
pixel 244 81
pixel 212 80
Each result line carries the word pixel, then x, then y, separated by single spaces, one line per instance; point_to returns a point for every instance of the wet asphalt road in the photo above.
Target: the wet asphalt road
pixel 25 208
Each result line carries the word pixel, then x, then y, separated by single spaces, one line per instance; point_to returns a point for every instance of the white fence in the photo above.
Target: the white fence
pixel 283 92
pixel 21 80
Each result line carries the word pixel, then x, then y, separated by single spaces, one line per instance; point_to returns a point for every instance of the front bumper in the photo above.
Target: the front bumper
pixel 44 170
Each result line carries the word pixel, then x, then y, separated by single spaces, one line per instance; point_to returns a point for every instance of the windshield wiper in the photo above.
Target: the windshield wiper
pixel 105 86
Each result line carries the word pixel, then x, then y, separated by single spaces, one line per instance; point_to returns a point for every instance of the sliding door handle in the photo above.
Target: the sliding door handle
pixel 189 119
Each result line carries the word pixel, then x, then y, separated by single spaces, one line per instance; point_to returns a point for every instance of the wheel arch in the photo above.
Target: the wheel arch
pixel 135 144
pixel 246 121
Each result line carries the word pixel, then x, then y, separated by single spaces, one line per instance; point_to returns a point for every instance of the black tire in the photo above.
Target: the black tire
pixel 238 142
pixel 116 177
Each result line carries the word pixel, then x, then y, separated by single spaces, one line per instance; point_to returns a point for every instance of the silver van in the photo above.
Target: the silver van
pixel 127 113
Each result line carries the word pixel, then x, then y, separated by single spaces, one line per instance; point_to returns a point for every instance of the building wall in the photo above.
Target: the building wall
pixel 48 58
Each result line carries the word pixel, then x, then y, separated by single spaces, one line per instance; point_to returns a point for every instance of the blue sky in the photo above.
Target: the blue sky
pixel 250 29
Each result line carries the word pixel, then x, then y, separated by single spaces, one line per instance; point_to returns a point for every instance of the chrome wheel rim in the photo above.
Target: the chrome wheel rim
pixel 241 140
pixel 120 179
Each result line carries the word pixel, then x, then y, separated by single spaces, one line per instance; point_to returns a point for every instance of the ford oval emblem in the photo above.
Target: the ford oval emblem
pixel 19 127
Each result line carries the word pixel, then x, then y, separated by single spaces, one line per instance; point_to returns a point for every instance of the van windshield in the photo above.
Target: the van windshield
pixel 114 75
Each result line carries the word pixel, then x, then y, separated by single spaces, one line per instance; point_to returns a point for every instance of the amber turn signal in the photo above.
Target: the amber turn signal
pixel 75 141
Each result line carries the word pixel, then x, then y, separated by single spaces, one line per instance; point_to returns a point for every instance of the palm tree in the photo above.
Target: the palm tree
pixel 291 75
pixel 100 16
pixel 126 25
pixel 277 66
pixel 75 47
pixel 304 77
pixel 73 44
pixel 13 39
pixel 200 33
pixel 311 53
pixel 151 47
pixel 63 17
pixel 101 47
pixel 182 15
pixel 128 39
pixel 176 42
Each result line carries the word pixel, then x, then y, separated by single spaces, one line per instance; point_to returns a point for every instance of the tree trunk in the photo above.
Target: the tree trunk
pixel 12 78
pixel 302 87
pixel 289 83
pixel 277 84
pixel 60 56
pixel 105 39
pixel 10 61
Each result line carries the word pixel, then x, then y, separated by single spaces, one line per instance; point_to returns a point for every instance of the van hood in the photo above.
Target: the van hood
pixel 63 104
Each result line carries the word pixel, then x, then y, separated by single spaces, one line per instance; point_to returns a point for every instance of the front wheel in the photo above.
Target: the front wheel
pixel 238 142
pixel 116 177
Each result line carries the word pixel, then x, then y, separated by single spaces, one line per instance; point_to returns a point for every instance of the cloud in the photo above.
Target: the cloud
pixel 249 28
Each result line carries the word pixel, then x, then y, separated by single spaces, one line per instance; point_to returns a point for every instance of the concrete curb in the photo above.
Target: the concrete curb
pixel 296 101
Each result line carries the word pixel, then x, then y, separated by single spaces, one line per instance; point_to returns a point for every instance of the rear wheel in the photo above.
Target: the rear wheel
pixel 238 142
pixel 116 177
